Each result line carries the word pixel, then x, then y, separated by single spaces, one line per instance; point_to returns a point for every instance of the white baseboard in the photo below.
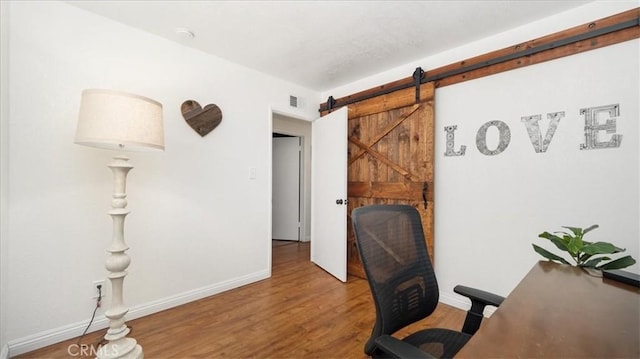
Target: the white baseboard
pixel 463 303
pixel 57 335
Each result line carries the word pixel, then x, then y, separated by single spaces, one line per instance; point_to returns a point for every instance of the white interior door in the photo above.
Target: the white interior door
pixel 285 203
pixel 329 193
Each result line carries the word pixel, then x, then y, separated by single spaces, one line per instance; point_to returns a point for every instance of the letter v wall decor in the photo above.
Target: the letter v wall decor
pixel 201 120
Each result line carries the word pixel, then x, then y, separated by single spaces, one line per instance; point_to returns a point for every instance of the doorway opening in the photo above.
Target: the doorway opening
pixel 291 181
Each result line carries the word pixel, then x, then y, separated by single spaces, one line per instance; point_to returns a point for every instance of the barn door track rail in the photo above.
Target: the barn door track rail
pixel 607 31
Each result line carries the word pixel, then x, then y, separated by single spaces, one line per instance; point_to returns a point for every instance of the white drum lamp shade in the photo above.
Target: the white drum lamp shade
pixel 119 121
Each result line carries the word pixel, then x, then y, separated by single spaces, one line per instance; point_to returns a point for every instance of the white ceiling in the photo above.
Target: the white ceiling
pixel 324 44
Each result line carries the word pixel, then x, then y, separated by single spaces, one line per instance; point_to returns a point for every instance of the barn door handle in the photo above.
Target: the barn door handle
pixel 425 188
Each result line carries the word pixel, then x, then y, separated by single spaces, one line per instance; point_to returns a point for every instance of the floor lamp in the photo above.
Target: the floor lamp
pixel 125 122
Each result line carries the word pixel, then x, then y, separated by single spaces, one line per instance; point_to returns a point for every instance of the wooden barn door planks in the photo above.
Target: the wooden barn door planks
pixel 391 162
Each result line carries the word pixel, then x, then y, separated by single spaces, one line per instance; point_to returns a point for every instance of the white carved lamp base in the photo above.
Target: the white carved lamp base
pixel 119 346
pixel 126 348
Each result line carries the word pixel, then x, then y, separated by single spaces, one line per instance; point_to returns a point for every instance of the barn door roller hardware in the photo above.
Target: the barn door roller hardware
pixel 330 103
pixel 418 79
pixel 418 74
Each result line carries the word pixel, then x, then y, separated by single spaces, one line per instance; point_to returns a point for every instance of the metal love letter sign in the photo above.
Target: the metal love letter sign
pixel 596 120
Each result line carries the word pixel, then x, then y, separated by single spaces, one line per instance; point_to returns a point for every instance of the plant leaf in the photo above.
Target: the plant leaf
pixel 584 256
pixel 589 229
pixel 543 252
pixel 601 248
pixel 577 231
pixel 575 245
pixel 594 262
pixel 619 263
pixel 566 236
pixel 555 240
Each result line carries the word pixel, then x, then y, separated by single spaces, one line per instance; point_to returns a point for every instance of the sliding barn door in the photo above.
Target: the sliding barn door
pixel 391 162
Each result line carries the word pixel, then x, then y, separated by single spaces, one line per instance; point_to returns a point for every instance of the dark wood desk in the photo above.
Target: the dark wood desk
pixel 558 311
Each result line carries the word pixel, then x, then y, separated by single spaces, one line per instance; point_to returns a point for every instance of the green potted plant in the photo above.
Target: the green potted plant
pixel 584 254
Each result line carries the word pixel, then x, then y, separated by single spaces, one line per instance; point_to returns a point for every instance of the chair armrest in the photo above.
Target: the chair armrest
pixel 479 295
pixel 479 300
pixel 396 348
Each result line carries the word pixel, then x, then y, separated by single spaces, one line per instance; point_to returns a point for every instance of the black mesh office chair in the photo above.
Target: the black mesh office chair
pixel 393 251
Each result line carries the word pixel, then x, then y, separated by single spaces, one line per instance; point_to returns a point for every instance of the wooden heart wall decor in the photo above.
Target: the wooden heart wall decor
pixel 201 120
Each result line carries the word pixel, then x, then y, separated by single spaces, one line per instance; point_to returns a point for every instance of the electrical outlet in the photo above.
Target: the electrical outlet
pixel 94 289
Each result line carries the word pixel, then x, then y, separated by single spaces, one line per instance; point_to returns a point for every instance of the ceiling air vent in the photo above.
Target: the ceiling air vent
pixel 293 101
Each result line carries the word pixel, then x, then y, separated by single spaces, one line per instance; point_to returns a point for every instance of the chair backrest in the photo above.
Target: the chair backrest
pixel 393 251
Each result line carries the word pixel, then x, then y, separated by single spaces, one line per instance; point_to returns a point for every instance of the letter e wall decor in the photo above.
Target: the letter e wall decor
pixel 592 127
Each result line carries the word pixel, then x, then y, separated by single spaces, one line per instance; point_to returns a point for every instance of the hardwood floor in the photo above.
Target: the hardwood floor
pixel 300 312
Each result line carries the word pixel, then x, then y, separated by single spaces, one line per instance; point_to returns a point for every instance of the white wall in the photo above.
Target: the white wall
pixel 198 224
pixel 489 209
pixel 4 175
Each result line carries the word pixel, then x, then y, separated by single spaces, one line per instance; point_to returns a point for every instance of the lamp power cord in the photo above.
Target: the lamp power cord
pixel 93 316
